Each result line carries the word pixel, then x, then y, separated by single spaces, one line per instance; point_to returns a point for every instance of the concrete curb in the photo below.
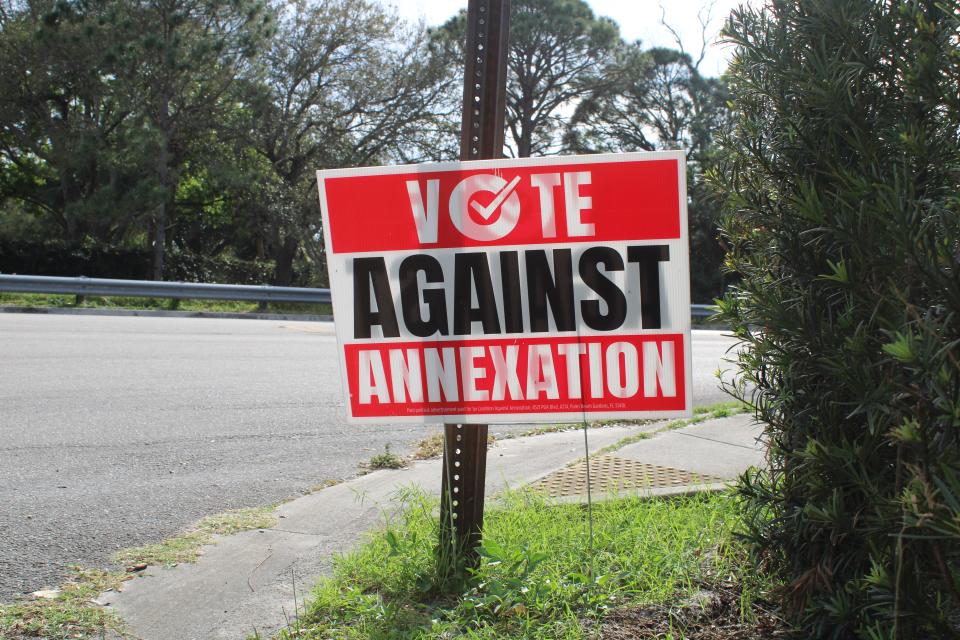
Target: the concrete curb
pixel 159 313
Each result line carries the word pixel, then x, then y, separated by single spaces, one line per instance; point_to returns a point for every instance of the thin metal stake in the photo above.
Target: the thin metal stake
pixel 586 451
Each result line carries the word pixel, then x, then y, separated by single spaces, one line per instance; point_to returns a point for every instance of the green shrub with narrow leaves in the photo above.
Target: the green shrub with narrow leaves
pixel 842 186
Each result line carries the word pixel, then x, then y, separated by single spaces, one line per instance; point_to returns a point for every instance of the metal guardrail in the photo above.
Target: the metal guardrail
pixel 154 289
pixel 702 310
pixel 191 290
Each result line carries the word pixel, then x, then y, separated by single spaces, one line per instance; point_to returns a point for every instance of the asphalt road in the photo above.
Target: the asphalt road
pixel 120 431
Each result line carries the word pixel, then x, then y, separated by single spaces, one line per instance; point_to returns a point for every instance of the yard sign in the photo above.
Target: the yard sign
pixel 513 290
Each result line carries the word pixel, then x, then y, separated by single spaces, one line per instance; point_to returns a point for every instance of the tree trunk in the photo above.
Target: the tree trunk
pixel 283 269
pixel 525 143
pixel 164 175
pixel 160 219
pixel 159 240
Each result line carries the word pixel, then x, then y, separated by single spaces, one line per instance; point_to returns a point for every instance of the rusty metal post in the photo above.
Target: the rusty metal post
pixel 485 80
pixel 481 138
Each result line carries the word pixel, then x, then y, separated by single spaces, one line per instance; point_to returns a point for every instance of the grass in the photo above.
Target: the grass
pixel 538 576
pixel 154 304
pixel 429 447
pixel 326 484
pixel 71 614
pixel 74 614
pixel 700 414
pixel 188 546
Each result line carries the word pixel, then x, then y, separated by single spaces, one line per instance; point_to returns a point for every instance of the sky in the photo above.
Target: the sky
pixel 638 20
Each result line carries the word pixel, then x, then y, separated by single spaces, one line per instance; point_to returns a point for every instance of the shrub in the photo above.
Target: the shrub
pixel 843 218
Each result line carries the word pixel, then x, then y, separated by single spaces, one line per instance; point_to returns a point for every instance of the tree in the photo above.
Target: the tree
pixel 840 179
pixel 181 58
pixel 663 102
pixel 68 151
pixel 560 53
pixel 344 83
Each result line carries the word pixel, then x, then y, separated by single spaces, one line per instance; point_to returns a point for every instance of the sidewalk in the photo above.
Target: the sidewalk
pixel 248 581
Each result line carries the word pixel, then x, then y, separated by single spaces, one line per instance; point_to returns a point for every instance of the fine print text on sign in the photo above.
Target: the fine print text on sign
pixel 516 290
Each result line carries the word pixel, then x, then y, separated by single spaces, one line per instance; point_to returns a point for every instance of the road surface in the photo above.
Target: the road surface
pixel 120 431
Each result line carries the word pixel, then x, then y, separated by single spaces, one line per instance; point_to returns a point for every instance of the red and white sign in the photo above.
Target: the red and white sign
pixel 519 290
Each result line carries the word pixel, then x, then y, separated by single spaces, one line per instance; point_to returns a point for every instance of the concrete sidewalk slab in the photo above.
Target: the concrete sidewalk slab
pixel 248 582
pixel 724 447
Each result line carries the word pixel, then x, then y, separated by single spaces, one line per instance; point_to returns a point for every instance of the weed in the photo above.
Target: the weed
pixel 432 446
pixel 326 484
pixel 549 428
pixel 429 447
pixel 620 444
pixel 386 460
pixel 571 426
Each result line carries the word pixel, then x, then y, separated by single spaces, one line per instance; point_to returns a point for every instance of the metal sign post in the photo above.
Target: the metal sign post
pixel 481 138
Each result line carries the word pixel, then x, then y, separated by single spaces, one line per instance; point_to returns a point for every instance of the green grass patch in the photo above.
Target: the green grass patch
pixel 187 546
pixel 156 304
pixel 71 614
pixel 538 577
pixel 722 409
pixel 622 442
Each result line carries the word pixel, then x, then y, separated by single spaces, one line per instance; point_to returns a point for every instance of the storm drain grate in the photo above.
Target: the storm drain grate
pixel 610 474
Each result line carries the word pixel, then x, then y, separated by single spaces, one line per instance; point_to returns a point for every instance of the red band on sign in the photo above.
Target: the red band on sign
pixel 596 202
pixel 566 376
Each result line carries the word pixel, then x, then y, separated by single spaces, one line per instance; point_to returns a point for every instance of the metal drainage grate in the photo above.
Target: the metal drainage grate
pixel 610 474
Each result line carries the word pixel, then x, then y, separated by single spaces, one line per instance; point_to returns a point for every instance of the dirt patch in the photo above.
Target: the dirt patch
pixel 713 613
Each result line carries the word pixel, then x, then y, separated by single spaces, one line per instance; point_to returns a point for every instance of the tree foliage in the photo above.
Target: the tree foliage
pixel 661 101
pixel 841 177
pixel 66 149
pixel 342 84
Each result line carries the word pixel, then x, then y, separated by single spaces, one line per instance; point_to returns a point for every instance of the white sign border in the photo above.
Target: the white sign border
pixel 472 165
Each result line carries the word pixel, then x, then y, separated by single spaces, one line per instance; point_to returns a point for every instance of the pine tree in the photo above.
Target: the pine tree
pixel 560 52
pixel 180 58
